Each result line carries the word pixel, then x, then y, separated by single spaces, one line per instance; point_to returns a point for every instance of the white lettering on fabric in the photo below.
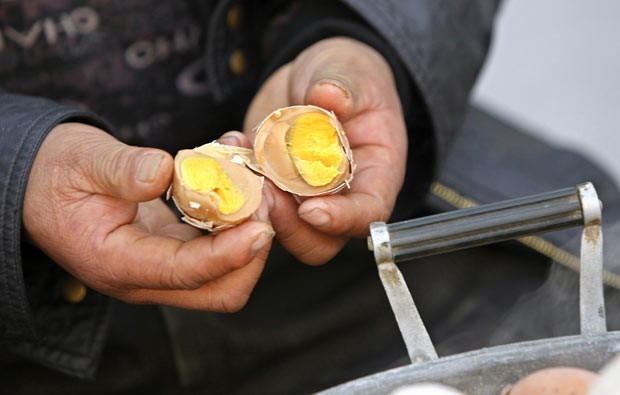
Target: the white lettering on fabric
pixel 86 19
pixel 144 53
pixel 25 40
pixel 81 20
pixel 191 81
pixel 141 54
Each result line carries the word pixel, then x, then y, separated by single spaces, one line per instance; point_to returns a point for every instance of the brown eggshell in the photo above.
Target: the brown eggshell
pixel 201 209
pixel 273 160
pixel 554 381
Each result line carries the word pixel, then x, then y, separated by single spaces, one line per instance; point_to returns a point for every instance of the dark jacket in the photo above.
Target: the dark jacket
pixel 435 48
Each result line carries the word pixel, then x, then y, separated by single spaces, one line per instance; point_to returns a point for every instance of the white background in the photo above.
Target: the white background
pixel 554 68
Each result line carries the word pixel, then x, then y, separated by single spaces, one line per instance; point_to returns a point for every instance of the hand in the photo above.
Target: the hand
pixel 92 204
pixel 354 81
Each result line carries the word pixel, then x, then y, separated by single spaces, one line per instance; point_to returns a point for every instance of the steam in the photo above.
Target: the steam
pixel 553 309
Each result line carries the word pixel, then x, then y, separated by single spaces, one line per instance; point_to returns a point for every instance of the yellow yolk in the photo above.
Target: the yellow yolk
pixel 313 143
pixel 206 175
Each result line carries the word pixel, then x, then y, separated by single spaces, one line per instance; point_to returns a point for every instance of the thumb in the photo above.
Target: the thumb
pixel 343 75
pixel 132 173
pixel 113 168
pixel 338 74
pixel 324 83
pixel 333 92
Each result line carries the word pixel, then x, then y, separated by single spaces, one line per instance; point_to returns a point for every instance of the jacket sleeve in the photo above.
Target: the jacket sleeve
pixel 435 48
pixel 442 44
pixel 35 320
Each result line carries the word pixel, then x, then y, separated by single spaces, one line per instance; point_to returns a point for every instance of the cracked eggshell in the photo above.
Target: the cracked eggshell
pixel 272 158
pixel 201 209
pixel 239 155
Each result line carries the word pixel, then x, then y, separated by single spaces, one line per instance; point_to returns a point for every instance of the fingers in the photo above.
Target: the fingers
pixel 137 252
pixel 326 85
pixel 309 244
pixel 226 294
pixel 299 237
pixel 348 214
pixel 356 83
pixel 344 76
pixel 272 95
pixel 315 230
pixel 371 197
pixel 157 218
pixel 171 265
pixel 235 138
pixel 163 263
pixel 108 167
pixel 336 95
pixel 130 173
pixel 155 259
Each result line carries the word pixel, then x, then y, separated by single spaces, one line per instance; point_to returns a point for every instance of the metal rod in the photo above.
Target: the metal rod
pixel 484 224
pixel 417 340
pixel 591 297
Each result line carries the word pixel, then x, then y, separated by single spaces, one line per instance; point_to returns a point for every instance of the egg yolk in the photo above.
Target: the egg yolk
pixel 315 148
pixel 205 175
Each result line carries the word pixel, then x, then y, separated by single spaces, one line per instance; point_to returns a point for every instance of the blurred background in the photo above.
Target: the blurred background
pixel 554 70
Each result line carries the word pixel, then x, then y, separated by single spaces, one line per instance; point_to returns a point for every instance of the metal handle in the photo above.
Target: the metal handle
pixel 482 225
pixel 487 224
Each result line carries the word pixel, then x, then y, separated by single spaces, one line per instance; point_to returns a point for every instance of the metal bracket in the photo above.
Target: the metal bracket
pixel 487 224
pixel 419 345
pixel 591 298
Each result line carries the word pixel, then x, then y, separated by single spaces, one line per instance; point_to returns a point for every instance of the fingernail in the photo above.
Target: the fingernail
pixel 261 241
pixel 316 217
pixel 148 166
pixel 334 94
pixel 229 138
pixel 268 194
pixel 330 82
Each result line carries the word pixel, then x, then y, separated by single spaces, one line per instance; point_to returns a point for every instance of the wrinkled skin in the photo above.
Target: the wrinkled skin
pixel 355 82
pixel 93 203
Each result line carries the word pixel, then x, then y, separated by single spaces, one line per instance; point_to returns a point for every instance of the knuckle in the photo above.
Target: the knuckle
pixel 320 253
pixel 189 272
pixel 112 167
pixel 232 303
pixel 62 174
pixel 178 274
pixel 222 261
pixel 381 211
pixel 134 297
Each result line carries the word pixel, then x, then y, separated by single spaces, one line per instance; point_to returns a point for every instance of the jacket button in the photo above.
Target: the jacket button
pixel 234 17
pixel 237 62
pixel 73 291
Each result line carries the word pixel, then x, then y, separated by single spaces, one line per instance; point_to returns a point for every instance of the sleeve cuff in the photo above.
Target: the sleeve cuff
pixel 36 321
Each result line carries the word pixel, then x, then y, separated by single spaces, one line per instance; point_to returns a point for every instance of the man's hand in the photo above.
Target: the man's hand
pixel 354 81
pixel 92 204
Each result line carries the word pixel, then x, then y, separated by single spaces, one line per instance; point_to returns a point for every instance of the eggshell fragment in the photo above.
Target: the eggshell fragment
pixel 204 208
pixel 302 149
pixel 273 156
